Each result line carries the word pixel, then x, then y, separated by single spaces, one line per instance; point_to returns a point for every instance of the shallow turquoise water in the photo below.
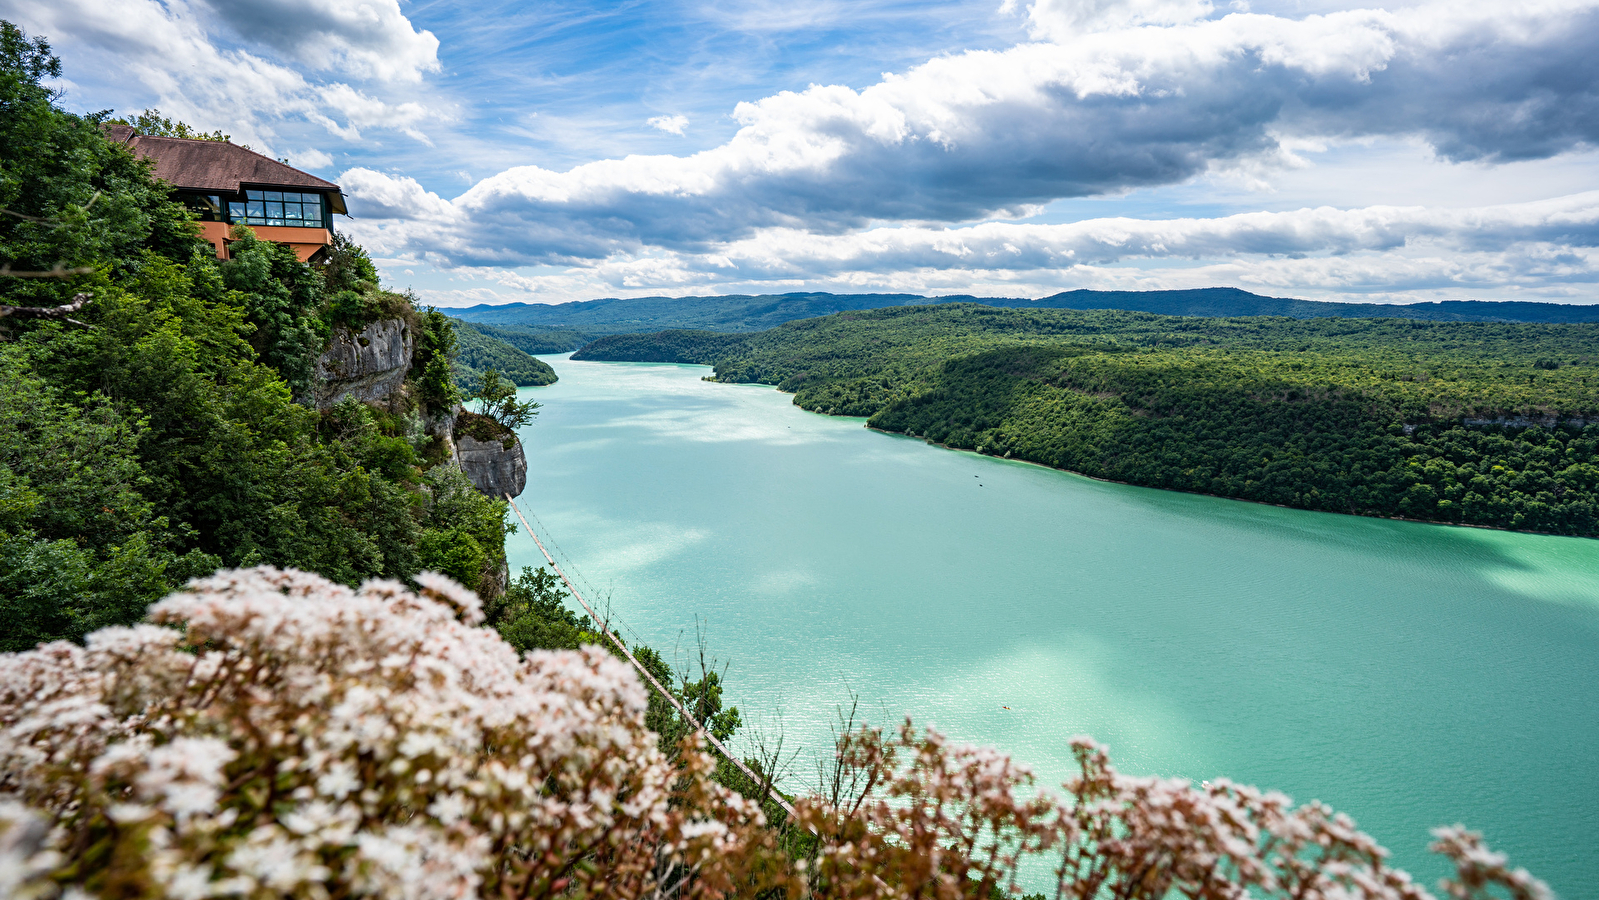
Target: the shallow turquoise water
pixel 1410 675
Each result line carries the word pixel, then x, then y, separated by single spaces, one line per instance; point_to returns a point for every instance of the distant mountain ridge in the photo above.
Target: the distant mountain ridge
pixel 1235 302
pixel 733 312
pixel 758 312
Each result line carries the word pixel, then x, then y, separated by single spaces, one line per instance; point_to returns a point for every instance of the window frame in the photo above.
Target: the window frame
pixel 256 207
pixel 210 207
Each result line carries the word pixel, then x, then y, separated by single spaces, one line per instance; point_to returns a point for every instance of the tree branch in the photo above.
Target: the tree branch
pixel 62 312
pixel 58 271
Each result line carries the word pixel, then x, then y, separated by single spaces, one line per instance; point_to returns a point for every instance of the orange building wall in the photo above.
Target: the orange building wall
pixel 303 241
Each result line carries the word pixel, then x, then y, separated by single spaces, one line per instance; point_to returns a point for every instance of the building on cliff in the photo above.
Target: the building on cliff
pixel 228 185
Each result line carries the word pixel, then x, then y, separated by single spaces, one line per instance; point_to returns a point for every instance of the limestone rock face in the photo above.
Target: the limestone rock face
pixel 1521 422
pixel 442 427
pixel 367 366
pixel 494 470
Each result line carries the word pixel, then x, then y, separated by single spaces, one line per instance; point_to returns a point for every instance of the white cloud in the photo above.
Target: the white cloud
pixel 176 52
pixel 365 39
pixel 668 124
pixel 310 159
pixel 1571 222
pixel 1065 20
pixel 1540 250
pixel 996 134
pixel 380 196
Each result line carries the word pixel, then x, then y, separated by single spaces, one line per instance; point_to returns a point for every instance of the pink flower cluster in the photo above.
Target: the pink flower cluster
pixel 272 734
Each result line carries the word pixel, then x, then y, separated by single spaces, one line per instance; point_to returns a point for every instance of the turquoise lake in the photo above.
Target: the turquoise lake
pixel 1410 675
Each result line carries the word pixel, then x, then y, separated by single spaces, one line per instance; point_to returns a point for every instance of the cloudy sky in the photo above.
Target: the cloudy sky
pixel 556 151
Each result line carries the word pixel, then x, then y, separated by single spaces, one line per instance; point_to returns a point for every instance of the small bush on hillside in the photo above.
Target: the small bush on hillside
pixel 496 399
pixel 532 615
pixel 346 267
pixel 483 428
pixel 354 310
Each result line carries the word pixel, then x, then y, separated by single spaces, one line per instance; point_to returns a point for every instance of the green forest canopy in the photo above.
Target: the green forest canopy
pixel 477 352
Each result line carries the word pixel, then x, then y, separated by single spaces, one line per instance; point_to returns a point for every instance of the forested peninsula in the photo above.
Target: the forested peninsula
pixel 1477 423
pixel 478 351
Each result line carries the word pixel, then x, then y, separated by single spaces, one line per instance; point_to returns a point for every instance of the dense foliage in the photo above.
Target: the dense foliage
pixel 170 433
pixel 1227 302
pixel 1475 423
pixel 151 122
pixel 478 352
pixel 291 737
pixel 673 346
pixel 533 340
pixel 634 315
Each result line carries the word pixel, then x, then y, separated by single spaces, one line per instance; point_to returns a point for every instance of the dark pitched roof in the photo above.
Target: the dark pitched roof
pixel 213 165
pixel 219 165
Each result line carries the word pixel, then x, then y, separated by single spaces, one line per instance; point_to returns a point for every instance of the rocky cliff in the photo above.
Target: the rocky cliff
pixel 368 365
pixel 495 470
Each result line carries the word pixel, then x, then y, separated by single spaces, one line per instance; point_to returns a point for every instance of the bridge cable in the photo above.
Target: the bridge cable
pixel 771 789
pixel 576 573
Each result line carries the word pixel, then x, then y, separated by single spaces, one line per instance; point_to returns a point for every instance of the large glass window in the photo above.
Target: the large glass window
pixel 278 208
pixel 208 206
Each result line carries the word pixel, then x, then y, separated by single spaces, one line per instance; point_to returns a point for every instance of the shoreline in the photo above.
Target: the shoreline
pixel 1151 487
pixel 866 419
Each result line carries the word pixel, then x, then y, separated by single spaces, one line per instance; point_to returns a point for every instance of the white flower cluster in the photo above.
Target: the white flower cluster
pixel 953 822
pixel 298 738
pixel 289 737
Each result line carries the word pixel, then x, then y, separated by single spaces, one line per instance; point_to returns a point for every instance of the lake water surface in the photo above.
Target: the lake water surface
pixel 1410 675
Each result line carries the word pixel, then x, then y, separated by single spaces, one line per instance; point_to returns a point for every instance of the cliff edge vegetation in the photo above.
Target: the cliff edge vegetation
pixel 164 414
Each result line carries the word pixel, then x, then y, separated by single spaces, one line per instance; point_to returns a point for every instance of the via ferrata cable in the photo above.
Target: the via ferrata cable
pixel 605 629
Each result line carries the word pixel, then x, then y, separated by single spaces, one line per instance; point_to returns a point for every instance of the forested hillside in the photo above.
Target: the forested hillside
pixel 734 312
pixel 163 423
pixel 1477 423
pixel 1234 302
pixel 530 339
pixel 477 352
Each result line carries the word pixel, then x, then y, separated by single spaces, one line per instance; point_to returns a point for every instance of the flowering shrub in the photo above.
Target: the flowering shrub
pixel 947 822
pixel 303 739
pixel 294 738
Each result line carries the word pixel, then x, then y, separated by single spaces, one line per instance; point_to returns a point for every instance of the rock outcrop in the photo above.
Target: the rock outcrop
pixel 367 366
pixel 1524 422
pixel 493 469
